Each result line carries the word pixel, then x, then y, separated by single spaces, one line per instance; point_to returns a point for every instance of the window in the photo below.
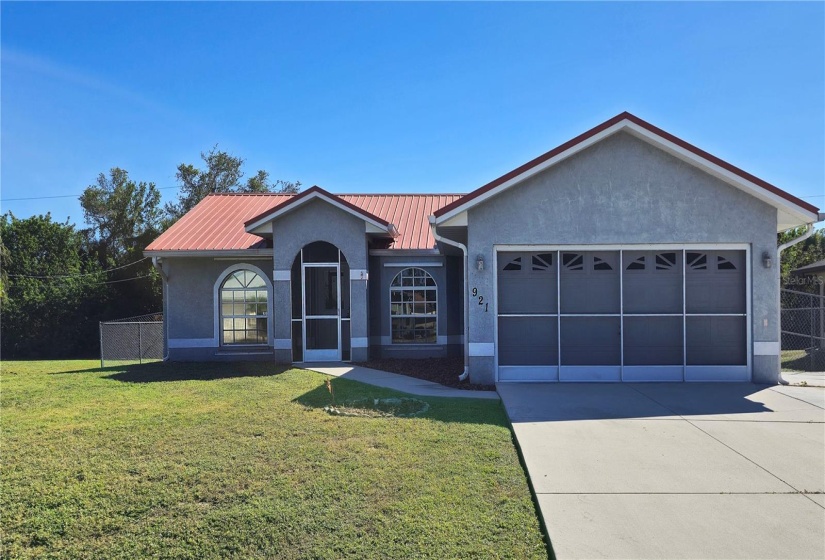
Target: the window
pixel 413 307
pixel 243 308
pixel 572 261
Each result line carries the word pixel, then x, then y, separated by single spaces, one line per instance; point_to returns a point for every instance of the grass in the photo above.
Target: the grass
pixel 802 360
pixel 240 461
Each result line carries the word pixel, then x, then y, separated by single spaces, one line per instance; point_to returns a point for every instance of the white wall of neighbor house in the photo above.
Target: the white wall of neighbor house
pixel 623 191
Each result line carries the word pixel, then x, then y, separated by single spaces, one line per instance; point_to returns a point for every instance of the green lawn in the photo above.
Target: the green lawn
pixel 240 460
pixel 801 360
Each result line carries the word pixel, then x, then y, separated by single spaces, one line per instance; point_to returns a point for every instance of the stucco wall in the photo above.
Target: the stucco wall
pixel 449 305
pixel 623 191
pixel 189 305
pixel 319 221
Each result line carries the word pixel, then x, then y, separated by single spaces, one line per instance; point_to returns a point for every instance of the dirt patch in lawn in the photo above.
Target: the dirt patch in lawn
pixel 439 370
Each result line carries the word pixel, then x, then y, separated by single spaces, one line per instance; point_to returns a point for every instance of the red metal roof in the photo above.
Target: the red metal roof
pixel 604 126
pixel 217 222
pixel 316 190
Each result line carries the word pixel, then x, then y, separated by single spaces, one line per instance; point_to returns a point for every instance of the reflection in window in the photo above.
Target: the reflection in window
pixel 413 307
pixel 243 308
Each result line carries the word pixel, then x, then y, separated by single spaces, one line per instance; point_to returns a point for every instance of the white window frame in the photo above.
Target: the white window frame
pixel 433 288
pixel 218 314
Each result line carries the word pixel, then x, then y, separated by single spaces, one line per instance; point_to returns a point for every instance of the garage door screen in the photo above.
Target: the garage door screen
pixel 629 315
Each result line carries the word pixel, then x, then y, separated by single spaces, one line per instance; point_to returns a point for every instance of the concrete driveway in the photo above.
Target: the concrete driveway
pixel 675 470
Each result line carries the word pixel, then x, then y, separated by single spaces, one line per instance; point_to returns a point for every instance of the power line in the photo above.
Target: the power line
pixel 112 281
pixel 124 280
pixel 61 196
pixel 78 275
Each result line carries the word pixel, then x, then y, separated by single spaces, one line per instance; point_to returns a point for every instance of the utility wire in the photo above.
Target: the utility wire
pixel 124 280
pixel 80 275
pixel 167 188
pixel 112 281
pixel 61 196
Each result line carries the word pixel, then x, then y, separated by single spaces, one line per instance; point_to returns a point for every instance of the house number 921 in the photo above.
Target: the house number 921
pixel 481 302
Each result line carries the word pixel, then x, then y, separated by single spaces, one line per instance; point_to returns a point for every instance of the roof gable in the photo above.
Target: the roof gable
pixel 792 210
pixel 313 193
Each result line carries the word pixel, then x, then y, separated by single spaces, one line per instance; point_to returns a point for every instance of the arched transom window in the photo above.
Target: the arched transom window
pixel 413 307
pixel 243 308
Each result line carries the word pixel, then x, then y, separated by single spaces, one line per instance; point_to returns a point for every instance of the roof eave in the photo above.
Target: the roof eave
pixel 208 253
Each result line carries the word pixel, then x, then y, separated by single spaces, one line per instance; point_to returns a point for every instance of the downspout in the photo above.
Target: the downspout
pixel 466 373
pixel 808 232
pixel 156 262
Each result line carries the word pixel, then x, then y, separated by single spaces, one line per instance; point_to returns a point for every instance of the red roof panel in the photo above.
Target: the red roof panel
pixel 217 222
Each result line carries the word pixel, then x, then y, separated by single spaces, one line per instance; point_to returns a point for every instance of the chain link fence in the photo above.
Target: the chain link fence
pixel 131 340
pixel 803 331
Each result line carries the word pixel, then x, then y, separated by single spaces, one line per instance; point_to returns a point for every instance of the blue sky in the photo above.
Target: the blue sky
pixel 410 97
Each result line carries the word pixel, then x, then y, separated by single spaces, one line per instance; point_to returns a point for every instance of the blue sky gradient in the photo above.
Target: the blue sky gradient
pixel 410 97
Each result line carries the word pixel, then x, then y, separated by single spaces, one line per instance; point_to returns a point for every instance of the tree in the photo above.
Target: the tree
pixel 124 216
pixel 54 290
pixel 807 252
pixel 223 174
pixel 260 183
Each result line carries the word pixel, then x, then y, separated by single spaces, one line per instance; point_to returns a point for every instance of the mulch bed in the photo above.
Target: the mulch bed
pixel 439 370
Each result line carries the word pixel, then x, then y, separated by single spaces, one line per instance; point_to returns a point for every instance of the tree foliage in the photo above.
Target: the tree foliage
pixel 807 252
pixel 52 316
pixel 123 216
pixel 222 174
pixel 58 282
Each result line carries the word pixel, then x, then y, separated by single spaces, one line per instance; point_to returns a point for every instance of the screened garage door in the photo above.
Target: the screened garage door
pixel 622 315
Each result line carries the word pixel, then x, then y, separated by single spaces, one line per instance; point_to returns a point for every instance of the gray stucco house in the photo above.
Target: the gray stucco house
pixel 625 254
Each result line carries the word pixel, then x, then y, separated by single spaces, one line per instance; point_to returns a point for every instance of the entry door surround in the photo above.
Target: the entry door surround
pixel 321 284
pixel 607 318
pixel 321 308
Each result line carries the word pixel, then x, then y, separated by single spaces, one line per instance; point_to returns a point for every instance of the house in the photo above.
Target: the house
pixel 625 254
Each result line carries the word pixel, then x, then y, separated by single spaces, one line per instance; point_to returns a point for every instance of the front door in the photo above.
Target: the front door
pixel 322 312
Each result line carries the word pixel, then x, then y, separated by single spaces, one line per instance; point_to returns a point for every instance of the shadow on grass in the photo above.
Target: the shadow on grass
pixel 185 371
pixel 454 410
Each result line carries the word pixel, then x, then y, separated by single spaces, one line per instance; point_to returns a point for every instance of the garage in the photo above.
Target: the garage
pixel 622 313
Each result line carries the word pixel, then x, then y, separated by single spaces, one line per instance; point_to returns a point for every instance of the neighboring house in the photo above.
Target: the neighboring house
pixel 625 254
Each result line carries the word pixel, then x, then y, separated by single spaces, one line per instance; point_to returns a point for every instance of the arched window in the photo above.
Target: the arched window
pixel 243 308
pixel 413 307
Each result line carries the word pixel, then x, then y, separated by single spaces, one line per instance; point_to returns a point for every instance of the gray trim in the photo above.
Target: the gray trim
pixel 405 253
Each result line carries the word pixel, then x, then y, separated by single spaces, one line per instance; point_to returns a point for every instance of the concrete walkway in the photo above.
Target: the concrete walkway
pixel 395 381
pixel 675 470
pixel 811 378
